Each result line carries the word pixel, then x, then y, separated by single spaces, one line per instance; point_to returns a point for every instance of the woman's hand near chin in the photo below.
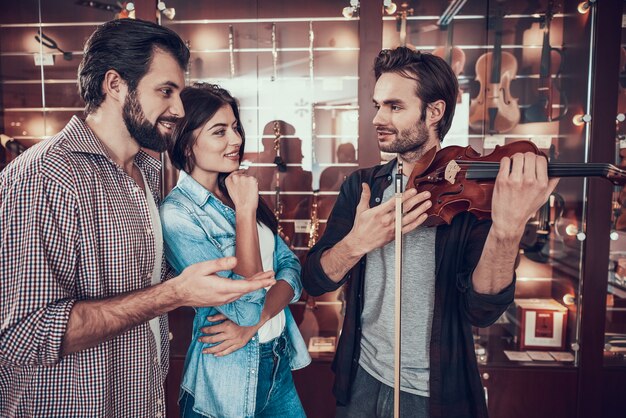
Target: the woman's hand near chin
pixel 243 190
pixel 244 193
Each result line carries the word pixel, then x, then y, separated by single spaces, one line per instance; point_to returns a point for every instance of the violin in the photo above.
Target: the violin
pixel 460 180
pixel 453 55
pixel 494 105
pixel 551 58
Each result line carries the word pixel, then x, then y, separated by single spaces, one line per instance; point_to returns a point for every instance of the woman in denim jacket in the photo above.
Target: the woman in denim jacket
pixel 241 354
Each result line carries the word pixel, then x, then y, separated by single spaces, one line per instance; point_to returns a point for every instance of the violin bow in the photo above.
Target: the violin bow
pixel 398 292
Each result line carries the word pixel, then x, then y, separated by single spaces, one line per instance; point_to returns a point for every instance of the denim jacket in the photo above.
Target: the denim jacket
pixel 197 226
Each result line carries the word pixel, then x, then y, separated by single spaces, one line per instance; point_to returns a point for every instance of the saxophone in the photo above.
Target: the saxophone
pixel 281 167
pixel 315 222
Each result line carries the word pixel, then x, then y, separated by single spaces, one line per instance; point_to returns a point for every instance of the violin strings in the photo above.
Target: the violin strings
pixel 555 169
pixel 491 169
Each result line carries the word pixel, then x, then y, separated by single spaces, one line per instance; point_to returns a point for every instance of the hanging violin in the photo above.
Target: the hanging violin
pixel 453 55
pixel 460 180
pixel 494 106
pixel 551 58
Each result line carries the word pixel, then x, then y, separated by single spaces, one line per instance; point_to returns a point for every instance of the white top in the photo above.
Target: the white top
pixel 158 256
pixel 274 327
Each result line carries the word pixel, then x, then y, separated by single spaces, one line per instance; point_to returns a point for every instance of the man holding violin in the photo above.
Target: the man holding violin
pixel 454 276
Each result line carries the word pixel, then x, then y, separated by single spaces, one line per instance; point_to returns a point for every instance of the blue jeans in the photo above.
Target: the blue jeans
pixel 276 394
pixel 370 398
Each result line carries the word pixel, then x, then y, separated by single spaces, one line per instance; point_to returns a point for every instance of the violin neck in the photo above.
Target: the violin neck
pixel 489 171
pixel 497 51
pixel 544 67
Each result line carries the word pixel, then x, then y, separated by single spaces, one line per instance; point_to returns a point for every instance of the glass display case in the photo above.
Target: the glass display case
pixel 511 61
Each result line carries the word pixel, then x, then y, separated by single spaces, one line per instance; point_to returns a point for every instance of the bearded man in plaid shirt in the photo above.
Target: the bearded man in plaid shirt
pixel 83 296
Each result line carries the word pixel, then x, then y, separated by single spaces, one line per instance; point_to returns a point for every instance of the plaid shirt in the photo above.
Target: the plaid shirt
pixel 74 226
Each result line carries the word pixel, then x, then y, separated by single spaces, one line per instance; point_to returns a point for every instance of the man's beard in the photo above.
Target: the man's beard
pixel 145 133
pixel 410 140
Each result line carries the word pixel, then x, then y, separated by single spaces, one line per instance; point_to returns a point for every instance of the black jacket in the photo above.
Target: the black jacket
pixel 455 386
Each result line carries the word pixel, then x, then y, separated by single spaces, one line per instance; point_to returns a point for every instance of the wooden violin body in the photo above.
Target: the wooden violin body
pixel 549 91
pixel 460 180
pixel 453 55
pixel 494 106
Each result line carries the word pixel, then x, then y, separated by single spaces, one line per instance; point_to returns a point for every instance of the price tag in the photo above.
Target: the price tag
pixel 302 226
pixel 492 140
pixel 44 59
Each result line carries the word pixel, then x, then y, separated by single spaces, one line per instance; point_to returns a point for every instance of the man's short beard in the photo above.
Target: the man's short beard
pixel 409 140
pixel 145 133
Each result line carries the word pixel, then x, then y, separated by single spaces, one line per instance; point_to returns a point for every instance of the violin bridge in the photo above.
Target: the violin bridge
pixel 452 170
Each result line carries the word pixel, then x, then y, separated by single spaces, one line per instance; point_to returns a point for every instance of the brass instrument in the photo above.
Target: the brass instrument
pixel 315 222
pixel 278 160
pixel 278 206
pixel 281 167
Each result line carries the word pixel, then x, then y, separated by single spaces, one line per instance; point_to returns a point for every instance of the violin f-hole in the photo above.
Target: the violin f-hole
pixel 460 189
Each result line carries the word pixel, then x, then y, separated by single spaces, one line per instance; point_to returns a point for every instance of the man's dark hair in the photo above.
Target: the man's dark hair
pixel 126 46
pixel 201 102
pixel 434 79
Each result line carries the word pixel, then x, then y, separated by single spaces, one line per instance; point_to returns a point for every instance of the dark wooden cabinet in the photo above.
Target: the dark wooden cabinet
pixel 538 392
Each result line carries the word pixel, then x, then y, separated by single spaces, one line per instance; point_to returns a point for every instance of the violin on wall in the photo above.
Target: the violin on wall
pixel 551 59
pixel 494 107
pixel 453 55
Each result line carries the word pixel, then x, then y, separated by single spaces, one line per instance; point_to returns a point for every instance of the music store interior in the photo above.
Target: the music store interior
pixel 302 72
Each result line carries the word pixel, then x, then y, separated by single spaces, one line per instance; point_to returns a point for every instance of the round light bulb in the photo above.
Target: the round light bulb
pixel 569 299
pixel 583 7
pixel 571 230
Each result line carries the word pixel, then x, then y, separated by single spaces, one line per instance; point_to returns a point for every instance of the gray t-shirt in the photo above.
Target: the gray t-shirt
pixel 418 298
